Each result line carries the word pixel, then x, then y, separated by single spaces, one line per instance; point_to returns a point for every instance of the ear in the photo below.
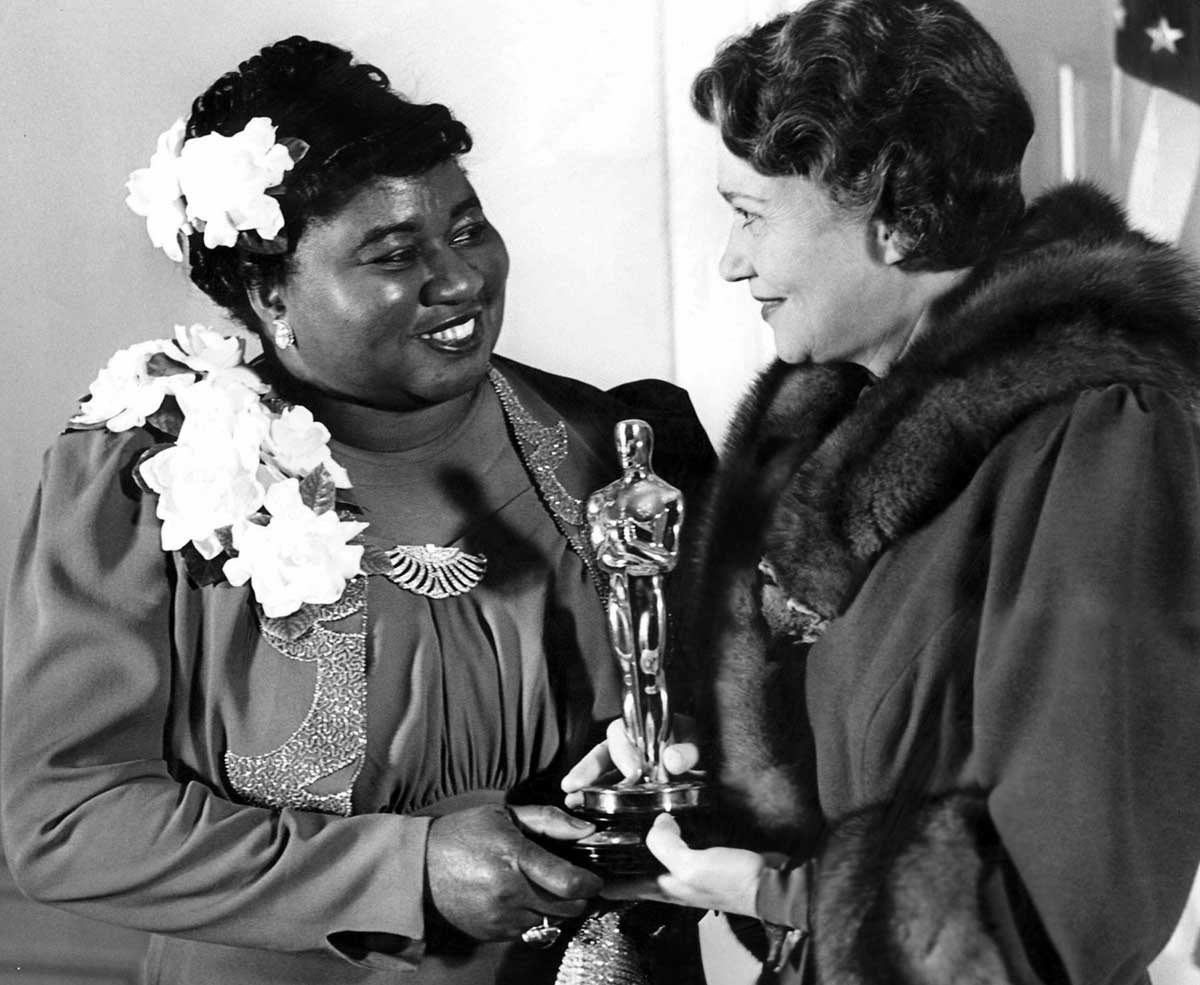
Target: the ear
pixel 266 298
pixel 888 244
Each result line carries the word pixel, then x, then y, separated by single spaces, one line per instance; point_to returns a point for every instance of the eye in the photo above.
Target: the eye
pixel 469 233
pixel 400 258
pixel 746 217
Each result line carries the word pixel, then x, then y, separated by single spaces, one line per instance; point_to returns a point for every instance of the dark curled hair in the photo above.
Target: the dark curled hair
pixel 904 110
pixel 356 127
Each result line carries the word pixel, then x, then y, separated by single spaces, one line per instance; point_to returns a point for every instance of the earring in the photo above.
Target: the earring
pixel 284 337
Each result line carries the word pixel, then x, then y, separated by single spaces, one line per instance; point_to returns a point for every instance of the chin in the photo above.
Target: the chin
pixel 793 354
pixel 792 346
pixel 460 377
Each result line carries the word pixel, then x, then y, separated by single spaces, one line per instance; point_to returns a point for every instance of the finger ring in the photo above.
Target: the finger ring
pixel 543 934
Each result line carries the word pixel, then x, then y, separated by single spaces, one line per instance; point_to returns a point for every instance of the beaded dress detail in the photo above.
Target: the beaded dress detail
pixel 333 735
pixel 543 448
pixel 602 953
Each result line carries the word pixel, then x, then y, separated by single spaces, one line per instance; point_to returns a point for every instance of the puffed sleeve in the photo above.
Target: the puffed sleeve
pixel 1087 694
pixel 93 819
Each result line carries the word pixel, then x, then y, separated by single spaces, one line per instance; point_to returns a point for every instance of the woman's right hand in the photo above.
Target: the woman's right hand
pixel 617 752
pixel 490 881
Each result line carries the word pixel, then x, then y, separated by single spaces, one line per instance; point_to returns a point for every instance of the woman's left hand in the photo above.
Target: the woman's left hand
pixel 723 879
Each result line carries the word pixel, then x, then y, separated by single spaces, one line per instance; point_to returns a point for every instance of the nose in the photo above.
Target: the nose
pixel 735 264
pixel 452 280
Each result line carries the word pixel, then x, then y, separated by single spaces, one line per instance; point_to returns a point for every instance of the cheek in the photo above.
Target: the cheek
pixel 785 264
pixel 391 296
pixel 327 303
pixel 493 264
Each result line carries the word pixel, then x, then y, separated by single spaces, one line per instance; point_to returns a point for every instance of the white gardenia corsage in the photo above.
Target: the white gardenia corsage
pixel 300 556
pixel 214 184
pixel 247 486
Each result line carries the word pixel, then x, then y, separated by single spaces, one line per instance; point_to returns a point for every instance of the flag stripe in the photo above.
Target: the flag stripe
pixel 1166 163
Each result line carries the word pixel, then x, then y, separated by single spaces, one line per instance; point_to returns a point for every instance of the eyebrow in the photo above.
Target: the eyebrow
pixel 376 233
pixel 729 196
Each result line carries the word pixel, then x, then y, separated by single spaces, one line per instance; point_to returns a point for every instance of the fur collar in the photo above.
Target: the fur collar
pixel 825 467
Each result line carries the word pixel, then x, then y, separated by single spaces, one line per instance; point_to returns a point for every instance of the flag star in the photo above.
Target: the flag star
pixel 1163 37
pixel 1120 13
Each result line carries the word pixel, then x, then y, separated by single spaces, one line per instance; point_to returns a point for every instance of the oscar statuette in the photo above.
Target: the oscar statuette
pixel 634 526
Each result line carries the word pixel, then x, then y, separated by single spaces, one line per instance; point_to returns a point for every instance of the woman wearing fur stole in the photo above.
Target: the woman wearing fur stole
pixel 949 594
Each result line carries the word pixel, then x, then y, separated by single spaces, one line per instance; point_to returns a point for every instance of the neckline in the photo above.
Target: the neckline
pixel 430 441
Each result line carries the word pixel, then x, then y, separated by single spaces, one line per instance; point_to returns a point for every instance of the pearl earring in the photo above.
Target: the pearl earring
pixel 284 337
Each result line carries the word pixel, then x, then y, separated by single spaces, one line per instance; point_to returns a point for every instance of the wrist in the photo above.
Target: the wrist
pixel 783 903
pixel 782 894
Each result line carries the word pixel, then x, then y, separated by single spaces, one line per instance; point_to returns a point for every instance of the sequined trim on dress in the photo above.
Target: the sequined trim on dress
pixel 542 448
pixel 333 735
pixel 602 953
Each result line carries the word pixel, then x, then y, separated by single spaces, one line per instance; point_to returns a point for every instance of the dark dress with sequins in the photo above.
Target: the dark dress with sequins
pixel 259 804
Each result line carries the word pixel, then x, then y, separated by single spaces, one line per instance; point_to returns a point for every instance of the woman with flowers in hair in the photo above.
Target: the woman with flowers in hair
pixel 298 648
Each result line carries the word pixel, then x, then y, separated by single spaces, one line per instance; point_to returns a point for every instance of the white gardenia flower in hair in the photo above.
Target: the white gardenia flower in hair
pixel 296 444
pixel 299 557
pixel 224 180
pixel 154 192
pixel 124 393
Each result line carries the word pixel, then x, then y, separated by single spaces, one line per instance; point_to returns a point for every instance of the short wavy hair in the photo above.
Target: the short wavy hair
pixel 357 129
pixel 903 110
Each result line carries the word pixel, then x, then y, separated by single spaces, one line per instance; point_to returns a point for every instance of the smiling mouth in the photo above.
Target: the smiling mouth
pixel 458 336
pixel 769 307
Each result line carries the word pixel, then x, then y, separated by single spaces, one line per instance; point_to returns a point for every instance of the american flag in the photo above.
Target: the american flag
pixel 1157 113
pixel 1158 41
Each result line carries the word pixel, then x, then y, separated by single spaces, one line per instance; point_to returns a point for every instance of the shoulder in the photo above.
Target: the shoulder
pixel 652 395
pixel 1119 428
pixel 88 494
pixel 592 412
pixel 90 524
pixel 1096 498
pixel 96 457
pixel 1076 299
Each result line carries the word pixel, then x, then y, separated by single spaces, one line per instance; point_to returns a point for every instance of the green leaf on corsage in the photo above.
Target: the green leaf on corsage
pixel 293 626
pixel 318 491
pixel 375 561
pixel 168 418
pixel 160 364
pixel 224 537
